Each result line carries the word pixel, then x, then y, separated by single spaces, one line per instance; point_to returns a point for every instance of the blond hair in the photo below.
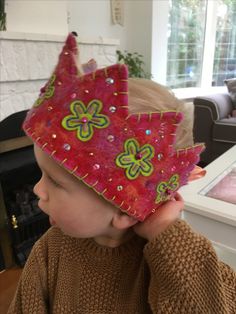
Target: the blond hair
pixel 148 96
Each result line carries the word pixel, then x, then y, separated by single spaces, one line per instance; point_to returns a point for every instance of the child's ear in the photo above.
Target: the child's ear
pixel 123 221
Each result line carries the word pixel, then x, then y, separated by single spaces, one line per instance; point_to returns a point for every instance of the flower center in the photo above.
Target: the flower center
pixel 138 156
pixel 84 119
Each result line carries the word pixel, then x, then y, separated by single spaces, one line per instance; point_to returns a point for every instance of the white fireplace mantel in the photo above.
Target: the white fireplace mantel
pixel 27 60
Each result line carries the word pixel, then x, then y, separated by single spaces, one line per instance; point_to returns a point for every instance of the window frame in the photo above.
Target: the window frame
pixel 160 11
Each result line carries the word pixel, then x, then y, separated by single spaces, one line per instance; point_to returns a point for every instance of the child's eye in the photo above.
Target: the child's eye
pixel 54 182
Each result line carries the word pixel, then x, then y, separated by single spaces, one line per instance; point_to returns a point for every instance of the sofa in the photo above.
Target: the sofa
pixel 214 125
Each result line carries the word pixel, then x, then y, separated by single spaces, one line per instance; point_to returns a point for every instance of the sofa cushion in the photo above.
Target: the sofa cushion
pixel 224 130
pixel 231 85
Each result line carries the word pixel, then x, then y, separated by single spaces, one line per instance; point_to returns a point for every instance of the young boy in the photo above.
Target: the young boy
pixel 109 185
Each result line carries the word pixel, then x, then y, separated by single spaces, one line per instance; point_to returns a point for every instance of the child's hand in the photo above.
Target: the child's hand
pixel 156 223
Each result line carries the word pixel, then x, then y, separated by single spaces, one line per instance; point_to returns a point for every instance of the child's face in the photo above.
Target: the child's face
pixel 71 205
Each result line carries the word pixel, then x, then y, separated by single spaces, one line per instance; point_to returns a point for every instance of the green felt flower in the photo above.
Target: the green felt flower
pixel 84 120
pixel 136 160
pixel 48 92
pixel 164 188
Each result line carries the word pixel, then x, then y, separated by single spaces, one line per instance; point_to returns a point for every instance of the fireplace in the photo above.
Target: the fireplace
pixel 21 220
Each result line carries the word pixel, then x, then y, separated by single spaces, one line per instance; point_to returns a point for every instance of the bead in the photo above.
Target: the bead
pixel 119 188
pixel 162 171
pixel 67 147
pixel 73 96
pixel 66 53
pixel 59 83
pixel 138 156
pixel 115 94
pixel 148 132
pixel 54 136
pixel 96 166
pixel 112 109
pixel 110 80
pixel 110 179
pixel 50 108
pixel 91 154
pixel 126 130
pixel 162 136
pixel 86 91
pixel 173 168
pixel 159 156
pixel 84 119
pixel 110 138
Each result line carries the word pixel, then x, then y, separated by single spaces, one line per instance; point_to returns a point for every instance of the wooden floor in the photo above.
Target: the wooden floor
pixel 8 282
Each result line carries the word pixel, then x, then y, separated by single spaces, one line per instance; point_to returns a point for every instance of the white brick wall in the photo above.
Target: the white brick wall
pixel 27 60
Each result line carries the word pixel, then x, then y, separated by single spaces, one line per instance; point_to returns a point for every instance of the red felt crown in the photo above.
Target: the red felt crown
pixel 84 124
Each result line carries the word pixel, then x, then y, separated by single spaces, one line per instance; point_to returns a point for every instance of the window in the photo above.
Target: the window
pixel 200 45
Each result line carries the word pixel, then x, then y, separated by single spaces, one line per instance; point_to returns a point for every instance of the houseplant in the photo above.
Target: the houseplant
pixel 135 63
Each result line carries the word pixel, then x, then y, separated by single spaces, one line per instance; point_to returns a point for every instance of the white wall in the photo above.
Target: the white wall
pixel 90 18
pixel 37 16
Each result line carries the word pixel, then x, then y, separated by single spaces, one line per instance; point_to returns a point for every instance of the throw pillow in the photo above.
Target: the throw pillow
pixel 231 85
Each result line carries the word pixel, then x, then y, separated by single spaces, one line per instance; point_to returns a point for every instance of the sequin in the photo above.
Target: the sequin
pixel 110 138
pixel 73 96
pixel 84 120
pixel 148 132
pixel 173 168
pixel 110 81
pixel 119 188
pixel 159 156
pixel 138 156
pixel 96 166
pixel 112 109
pixel 67 147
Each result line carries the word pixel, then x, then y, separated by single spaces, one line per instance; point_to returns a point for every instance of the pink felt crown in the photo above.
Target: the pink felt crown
pixel 83 123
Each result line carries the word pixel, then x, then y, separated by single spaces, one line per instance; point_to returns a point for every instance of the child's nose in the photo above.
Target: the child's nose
pixel 40 191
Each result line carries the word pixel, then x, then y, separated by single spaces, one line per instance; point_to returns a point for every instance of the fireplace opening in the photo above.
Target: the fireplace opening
pixel 22 223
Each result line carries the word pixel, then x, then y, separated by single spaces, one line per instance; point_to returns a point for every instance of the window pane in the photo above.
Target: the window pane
pixel 186 28
pixel 225 51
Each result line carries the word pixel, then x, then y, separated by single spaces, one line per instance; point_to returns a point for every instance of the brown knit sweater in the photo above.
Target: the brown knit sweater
pixel 176 273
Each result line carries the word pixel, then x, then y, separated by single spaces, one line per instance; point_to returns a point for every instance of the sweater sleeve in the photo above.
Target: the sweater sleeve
pixel 186 275
pixel 32 292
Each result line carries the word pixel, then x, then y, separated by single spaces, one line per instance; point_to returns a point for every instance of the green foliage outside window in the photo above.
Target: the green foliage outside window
pixel 2 16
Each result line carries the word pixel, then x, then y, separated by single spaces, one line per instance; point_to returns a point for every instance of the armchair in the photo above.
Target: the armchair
pixel 214 125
